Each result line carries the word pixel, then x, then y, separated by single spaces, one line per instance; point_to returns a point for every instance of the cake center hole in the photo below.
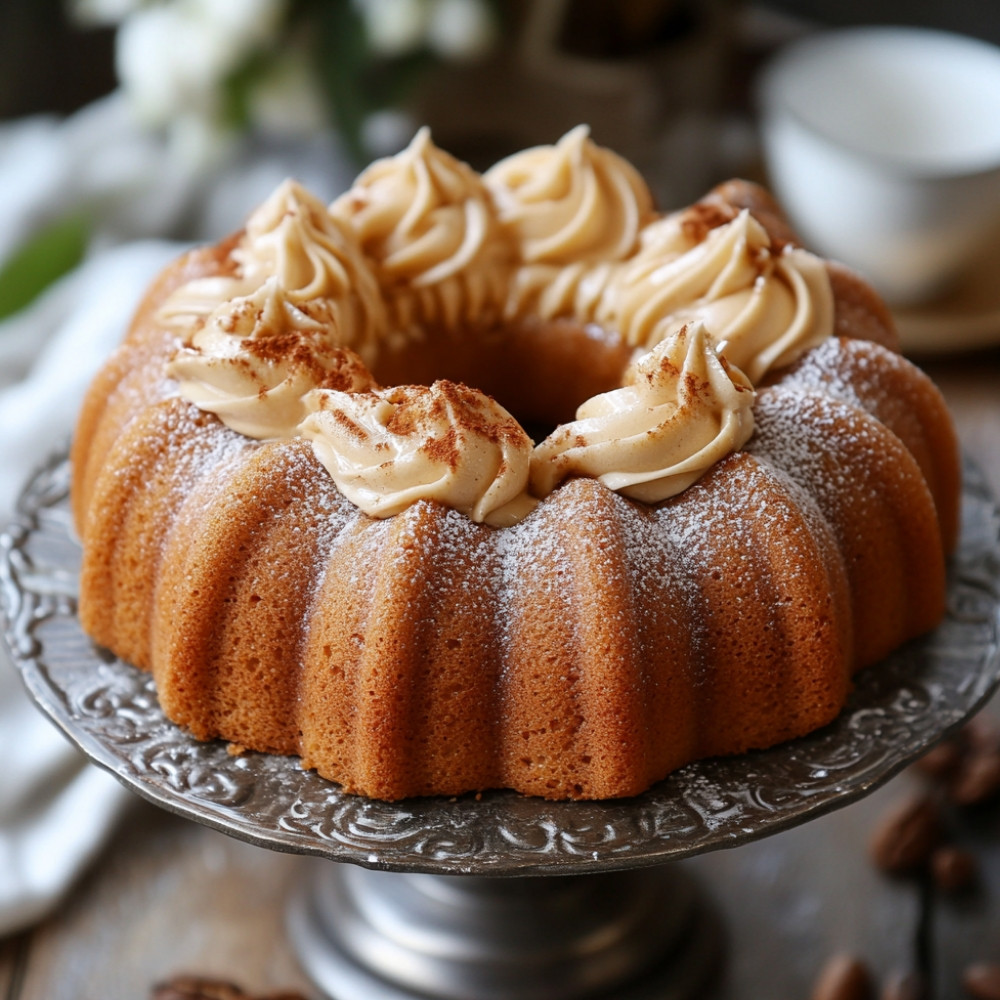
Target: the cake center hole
pixel 539 372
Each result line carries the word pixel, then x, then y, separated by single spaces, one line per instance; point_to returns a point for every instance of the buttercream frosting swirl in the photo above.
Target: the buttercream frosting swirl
pixel 572 210
pixel 389 448
pixel 314 260
pixel 685 410
pixel 427 222
pixel 574 201
pixel 253 364
pixel 763 307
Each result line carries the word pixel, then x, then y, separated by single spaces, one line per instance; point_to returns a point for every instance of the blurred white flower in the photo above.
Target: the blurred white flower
pixel 285 101
pixel 461 29
pixel 394 27
pixel 193 66
pixel 196 141
pixel 251 23
pixel 168 63
pixel 173 58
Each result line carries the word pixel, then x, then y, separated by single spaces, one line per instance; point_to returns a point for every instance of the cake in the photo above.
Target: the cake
pixel 509 480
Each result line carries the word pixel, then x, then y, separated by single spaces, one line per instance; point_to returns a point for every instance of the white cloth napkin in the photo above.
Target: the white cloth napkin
pixel 55 809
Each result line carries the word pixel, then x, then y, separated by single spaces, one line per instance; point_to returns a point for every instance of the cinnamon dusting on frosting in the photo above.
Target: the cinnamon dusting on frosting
pixel 445 442
pixel 763 307
pixel 699 219
pixel 308 258
pixel 682 409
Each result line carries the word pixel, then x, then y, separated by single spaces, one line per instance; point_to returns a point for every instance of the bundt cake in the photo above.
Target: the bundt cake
pixel 297 513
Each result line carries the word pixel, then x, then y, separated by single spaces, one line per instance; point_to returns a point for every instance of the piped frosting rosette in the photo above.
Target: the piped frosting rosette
pixel 763 307
pixel 253 364
pixel 312 259
pixel 388 448
pixel 426 222
pixel 684 410
pixel 573 210
pixel 299 296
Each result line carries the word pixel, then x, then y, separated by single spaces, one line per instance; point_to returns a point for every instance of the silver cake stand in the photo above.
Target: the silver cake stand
pixel 395 924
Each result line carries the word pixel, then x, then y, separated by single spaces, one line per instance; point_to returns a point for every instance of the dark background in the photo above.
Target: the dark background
pixel 47 64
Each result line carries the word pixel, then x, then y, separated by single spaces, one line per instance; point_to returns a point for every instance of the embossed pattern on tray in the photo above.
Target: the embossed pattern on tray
pixel 109 709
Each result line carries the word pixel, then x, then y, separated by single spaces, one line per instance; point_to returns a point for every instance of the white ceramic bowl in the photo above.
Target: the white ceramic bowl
pixel 883 144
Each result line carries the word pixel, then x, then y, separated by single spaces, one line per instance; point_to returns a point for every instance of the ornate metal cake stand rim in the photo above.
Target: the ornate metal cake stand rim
pixel 108 708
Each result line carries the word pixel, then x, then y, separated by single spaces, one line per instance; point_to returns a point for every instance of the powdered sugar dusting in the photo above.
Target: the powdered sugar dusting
pixel 815 441
pixel 852 371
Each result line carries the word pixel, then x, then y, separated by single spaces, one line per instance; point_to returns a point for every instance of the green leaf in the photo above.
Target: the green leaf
pixel 342 57
pixel 45 256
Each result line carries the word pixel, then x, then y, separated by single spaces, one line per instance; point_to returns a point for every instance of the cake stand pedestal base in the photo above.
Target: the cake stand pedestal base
pixel 375 935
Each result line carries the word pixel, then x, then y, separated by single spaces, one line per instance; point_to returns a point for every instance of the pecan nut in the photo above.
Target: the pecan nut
pixel 953 869
pixel 844 977
pixel 977 779
pixel 907 835
pixel 982 981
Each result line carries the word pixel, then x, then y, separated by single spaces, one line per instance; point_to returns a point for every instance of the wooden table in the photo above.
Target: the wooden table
pixel 168 896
